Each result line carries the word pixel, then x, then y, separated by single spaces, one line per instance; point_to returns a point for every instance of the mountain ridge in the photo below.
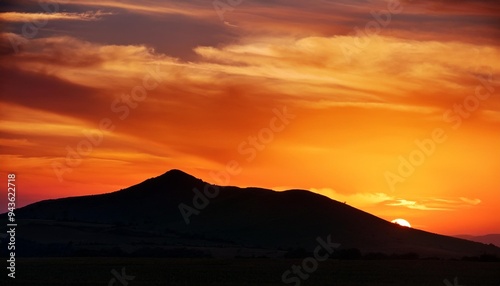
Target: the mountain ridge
pixel 148 214
pixel 493 238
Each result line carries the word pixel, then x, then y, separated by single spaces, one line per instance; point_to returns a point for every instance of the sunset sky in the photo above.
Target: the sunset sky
pixel 391 106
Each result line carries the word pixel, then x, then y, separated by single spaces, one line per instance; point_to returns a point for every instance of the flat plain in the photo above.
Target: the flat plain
pixel 249 271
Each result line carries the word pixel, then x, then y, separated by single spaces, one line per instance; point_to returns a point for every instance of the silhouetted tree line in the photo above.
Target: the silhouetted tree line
pixel 352 254
pixel 298 252
pixel 356 254
pixel 483 258
pixel 26 248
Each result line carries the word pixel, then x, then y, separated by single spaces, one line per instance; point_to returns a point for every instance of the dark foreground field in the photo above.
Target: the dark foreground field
pixel 149 271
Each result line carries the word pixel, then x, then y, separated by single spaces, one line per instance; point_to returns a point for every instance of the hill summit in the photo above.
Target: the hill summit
pixel 152 215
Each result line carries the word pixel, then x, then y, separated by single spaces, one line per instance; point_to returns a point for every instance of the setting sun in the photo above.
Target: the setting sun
pixel 401 222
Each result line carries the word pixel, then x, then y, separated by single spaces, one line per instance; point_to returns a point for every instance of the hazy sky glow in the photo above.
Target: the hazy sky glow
pixel 99 95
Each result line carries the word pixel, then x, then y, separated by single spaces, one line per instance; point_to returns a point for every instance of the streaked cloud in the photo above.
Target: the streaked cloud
pixel 149 7
pixel 32 17
pixel 371 200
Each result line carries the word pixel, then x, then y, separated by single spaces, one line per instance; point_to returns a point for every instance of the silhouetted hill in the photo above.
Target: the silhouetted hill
pixel 146 218
pixel 486 239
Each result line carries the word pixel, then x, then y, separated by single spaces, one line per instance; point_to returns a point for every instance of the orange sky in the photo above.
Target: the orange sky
pixel 99 95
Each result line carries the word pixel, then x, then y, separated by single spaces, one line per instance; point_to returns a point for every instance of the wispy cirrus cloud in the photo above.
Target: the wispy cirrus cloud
pixel 382 77
pixel 308 73
pixel 366 200
pixel 434 204
pixel 60 16
pixel 152 7
pixel 416 205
